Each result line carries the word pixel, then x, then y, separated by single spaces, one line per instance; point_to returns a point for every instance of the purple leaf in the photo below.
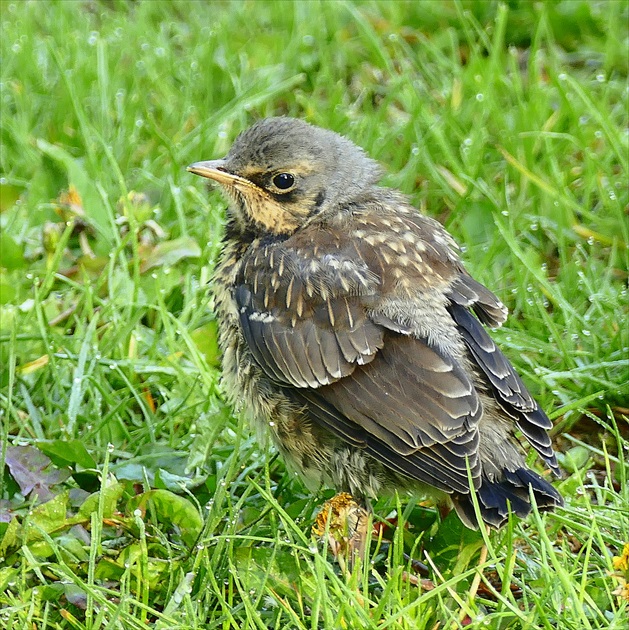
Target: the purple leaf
pixel 32 471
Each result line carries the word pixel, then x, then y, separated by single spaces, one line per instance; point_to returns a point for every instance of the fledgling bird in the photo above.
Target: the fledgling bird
pixel 351 331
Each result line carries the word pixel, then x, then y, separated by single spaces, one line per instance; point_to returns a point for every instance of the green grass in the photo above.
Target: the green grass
pixel 151 504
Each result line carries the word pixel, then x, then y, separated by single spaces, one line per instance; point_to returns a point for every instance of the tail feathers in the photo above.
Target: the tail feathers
pixel 495 497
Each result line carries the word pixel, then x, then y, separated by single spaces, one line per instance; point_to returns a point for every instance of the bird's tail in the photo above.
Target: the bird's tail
pixel 510 493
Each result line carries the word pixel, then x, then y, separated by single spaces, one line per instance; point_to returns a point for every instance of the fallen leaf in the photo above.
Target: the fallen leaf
pixel 32 471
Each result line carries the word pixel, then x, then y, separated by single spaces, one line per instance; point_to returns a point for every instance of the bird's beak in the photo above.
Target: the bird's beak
pixel 215 169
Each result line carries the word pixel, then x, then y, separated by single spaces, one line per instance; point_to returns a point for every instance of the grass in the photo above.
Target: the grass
pixel 131 496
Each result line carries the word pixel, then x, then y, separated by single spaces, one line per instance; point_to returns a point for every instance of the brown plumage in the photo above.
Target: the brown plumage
pixel 352 332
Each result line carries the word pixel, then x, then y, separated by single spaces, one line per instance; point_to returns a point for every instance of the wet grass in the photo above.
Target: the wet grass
pixel 131 495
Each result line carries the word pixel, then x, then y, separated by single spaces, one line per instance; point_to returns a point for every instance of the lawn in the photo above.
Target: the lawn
pixel 131 495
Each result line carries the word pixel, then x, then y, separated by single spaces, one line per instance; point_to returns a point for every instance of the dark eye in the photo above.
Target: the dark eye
pixel 284 181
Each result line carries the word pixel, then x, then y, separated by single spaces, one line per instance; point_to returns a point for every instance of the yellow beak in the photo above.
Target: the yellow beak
pixel 215 169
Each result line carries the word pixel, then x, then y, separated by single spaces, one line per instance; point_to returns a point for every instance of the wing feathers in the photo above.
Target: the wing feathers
pixel 315 330
pixel 511 393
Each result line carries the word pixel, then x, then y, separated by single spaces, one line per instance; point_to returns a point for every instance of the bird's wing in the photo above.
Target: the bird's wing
pixel 303 316
pixel 411 408
pixel 508 388
pixel 308 312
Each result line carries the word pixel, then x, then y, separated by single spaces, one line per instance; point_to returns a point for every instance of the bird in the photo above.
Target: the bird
pixel 354 336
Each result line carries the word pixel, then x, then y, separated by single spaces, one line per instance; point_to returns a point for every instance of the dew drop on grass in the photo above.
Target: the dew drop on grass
pixel 92 38
pixel 112 366
pixel 534 227
pixel 600 78
pixel 505 213
pixel 110 447
pixel 586 332
pixel 480 97
pixel 137 513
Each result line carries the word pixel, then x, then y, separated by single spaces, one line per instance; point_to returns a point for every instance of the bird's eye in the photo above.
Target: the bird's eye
pixel 284 181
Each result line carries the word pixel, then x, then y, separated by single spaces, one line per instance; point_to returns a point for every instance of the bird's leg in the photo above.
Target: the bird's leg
pixel 345 523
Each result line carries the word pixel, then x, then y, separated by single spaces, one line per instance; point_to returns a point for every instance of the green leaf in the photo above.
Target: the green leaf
pixel 48 517
pixel 11 537
pixel 112 490
pixel 574 459
pixel 79 178
pixel 8 196
pixel 171 509
pixel 166 468
pixel 67 452
pixel 168 253
pixel 8 292
pixel 206 340
pixel 11 252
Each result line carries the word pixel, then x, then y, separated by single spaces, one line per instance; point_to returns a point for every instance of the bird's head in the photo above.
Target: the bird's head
pixel 282 172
